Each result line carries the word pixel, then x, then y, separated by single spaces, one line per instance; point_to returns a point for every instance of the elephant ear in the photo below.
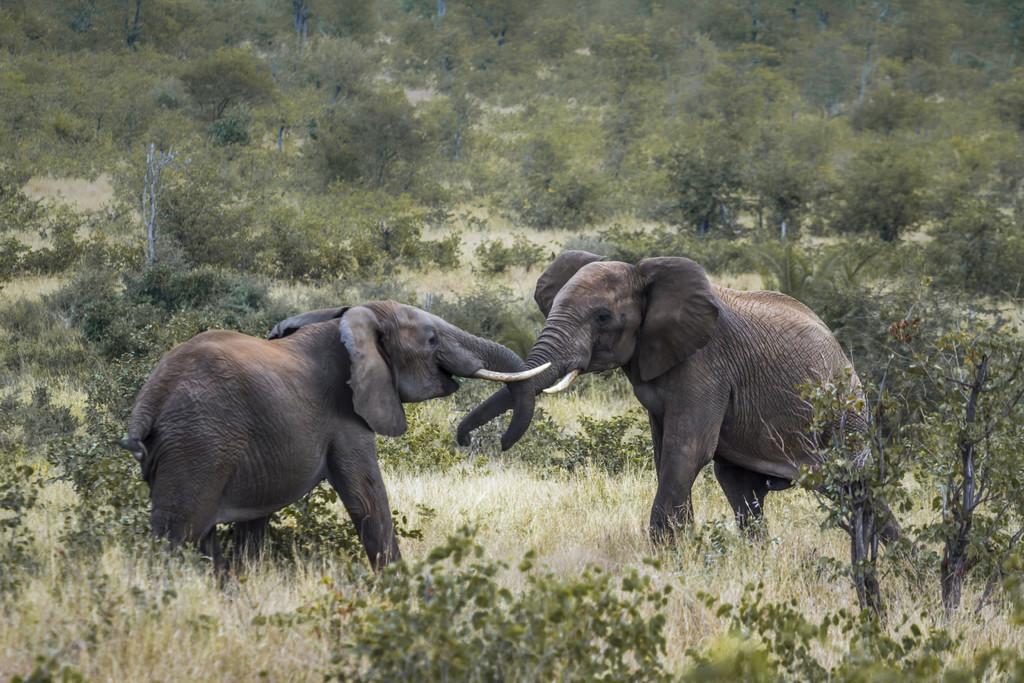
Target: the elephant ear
pixel 290 325
pixel 374 395
pixel 681 312
pixel 557 274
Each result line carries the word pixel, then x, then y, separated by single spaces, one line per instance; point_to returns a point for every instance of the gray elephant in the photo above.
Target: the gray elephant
pixel 231 428
pixel 715 368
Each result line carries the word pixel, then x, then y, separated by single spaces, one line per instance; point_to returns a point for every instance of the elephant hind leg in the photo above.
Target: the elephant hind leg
pixel 247 541
pixel 195 528
pixel 746 490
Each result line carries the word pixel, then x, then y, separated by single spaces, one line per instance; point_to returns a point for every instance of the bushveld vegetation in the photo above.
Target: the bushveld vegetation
pixel 172 166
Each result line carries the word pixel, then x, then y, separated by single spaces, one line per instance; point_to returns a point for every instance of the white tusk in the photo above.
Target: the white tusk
pixel 563 383
pixel 510 376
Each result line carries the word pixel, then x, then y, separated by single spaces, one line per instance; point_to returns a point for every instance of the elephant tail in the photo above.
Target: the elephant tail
pixel 135 447
pixel 138 431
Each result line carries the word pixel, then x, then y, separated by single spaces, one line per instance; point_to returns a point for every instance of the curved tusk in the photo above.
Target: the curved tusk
pixel 563 383
pixel 496 376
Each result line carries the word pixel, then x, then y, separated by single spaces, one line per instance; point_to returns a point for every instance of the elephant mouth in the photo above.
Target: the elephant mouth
pixel 563 384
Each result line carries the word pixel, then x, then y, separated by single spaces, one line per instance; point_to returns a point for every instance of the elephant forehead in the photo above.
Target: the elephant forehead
pixel 602 281
pixel 414 325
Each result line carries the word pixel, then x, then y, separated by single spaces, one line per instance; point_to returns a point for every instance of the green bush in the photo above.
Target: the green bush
pixel 426 446
pixel 776 641
pixel 715 254
pixel 495 313
pixel 113 505
pixel 19 490
pixel 447 617
pixel 616 445
pixel 317 526
pixel 494 258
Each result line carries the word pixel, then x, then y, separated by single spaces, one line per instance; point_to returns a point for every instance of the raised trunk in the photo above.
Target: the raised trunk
pixel 516 396
pixel 520 397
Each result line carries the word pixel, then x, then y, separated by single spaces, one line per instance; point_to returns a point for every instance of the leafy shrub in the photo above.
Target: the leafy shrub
pixel 232 128
pixel 493 313
pixel 317 525
pixel 42 421
pixel 616 445
pixel 19 489
pixel 429 621
pixel 424 447
pixel 494 258
pixel 37 337
pixel 714 254
pixel 776 641
pixel 977 248
pixel 113 503
pixel 313 525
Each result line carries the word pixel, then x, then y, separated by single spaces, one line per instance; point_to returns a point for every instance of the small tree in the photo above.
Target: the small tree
pixel 971 449
pixel 853 477
pixel 155 162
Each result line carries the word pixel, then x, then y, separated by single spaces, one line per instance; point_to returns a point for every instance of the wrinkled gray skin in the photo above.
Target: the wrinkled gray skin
pixel 715 368
pixel 231 428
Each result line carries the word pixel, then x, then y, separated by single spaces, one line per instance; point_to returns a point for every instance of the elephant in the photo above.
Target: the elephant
pixel 230 428
pixel 715 368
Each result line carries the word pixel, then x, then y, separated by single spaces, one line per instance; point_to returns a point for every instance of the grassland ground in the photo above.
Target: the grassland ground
pixel 134 613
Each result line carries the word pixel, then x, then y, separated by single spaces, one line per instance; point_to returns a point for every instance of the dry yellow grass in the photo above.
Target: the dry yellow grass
pixel 83 194
pixel 121 622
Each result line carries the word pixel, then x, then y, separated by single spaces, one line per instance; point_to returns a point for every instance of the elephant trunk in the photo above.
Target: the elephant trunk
pixel 517 396
pixel 520 397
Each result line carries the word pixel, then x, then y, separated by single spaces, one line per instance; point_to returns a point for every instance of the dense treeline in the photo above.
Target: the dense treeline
pixel 268 156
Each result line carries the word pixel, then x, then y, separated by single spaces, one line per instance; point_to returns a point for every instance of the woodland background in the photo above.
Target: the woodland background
pixel 171 166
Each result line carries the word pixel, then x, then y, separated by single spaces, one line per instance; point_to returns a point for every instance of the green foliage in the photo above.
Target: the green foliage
pixel 312 525
pixel 618 444
pixel 773 641
pixel 232 129
pixel 425 446
pixel 968 447
pixel 447 617
pixel 977 248
pixel 494 258
pixel 881 190
pixel 715 254
pixel 853 475
pixel 810 274
pixel 113 506
pixel 228 77
pixel 19 491
pixel 317 525
pixel 494 313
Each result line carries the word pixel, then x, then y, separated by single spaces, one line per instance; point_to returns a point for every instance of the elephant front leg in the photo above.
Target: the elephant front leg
pixel 681 451
pixel 354 473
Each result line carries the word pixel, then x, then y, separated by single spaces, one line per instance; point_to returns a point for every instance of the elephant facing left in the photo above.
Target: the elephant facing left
pixel 231 428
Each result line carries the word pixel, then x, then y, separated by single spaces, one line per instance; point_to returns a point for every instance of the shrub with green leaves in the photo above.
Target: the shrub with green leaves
pixel 425 446
pixel 494 258
pixel 448 617
pixel 768 641
pixel 19 490
pixel 969 450
pixel 616 445
pixel 853 476
pixel 317 526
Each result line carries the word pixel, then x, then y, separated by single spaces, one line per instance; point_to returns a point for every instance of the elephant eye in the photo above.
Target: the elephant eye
pixel 432 339
pixel 603 318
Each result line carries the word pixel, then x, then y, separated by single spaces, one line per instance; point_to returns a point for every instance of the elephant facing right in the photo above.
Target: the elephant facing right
pixel 230 428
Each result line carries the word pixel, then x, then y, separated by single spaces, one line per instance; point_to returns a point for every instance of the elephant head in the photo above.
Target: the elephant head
pixel 601 315
pixel 401 354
